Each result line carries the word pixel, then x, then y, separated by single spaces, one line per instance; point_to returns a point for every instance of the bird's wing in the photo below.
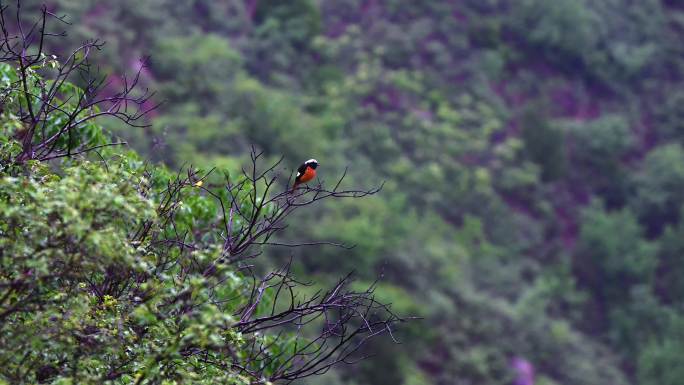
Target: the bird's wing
pixel 301 170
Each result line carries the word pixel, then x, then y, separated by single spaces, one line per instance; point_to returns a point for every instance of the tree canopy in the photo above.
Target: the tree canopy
pixel 531 154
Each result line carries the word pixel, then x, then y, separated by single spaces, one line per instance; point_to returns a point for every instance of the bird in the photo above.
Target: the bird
pixel 305 173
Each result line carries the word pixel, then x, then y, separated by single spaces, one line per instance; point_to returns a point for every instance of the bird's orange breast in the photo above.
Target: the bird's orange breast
pixel 309 174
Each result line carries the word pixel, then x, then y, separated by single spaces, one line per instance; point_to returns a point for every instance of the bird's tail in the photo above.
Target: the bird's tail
pixel 294 187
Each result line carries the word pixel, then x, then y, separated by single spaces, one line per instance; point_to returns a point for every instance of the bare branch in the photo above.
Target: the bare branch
pixel 38 100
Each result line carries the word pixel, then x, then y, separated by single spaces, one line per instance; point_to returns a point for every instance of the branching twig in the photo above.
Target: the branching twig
pixel 41 101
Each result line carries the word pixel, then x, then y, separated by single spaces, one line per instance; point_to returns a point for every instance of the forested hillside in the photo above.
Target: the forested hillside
pixel 531 154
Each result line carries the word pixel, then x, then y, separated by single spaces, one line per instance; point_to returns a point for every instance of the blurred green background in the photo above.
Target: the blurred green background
pixel 531 149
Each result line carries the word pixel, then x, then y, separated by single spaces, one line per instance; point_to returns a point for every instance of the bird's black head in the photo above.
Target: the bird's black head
pixel 313 163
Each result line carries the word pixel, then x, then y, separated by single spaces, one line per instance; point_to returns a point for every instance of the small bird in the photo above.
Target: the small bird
pixel 305 173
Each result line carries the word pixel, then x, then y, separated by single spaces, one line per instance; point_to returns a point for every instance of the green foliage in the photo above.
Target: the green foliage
pixel 668 115
pixel 658 362
pixel 193 77
pixel 566 27
pixel 602 142
pixel 113 271
pixel 531 152
pixel 608 41
pixel 658 187
pixel 670 254
pixel 84 134
pixel 611 246
pixel 544 144
pixel 64 239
